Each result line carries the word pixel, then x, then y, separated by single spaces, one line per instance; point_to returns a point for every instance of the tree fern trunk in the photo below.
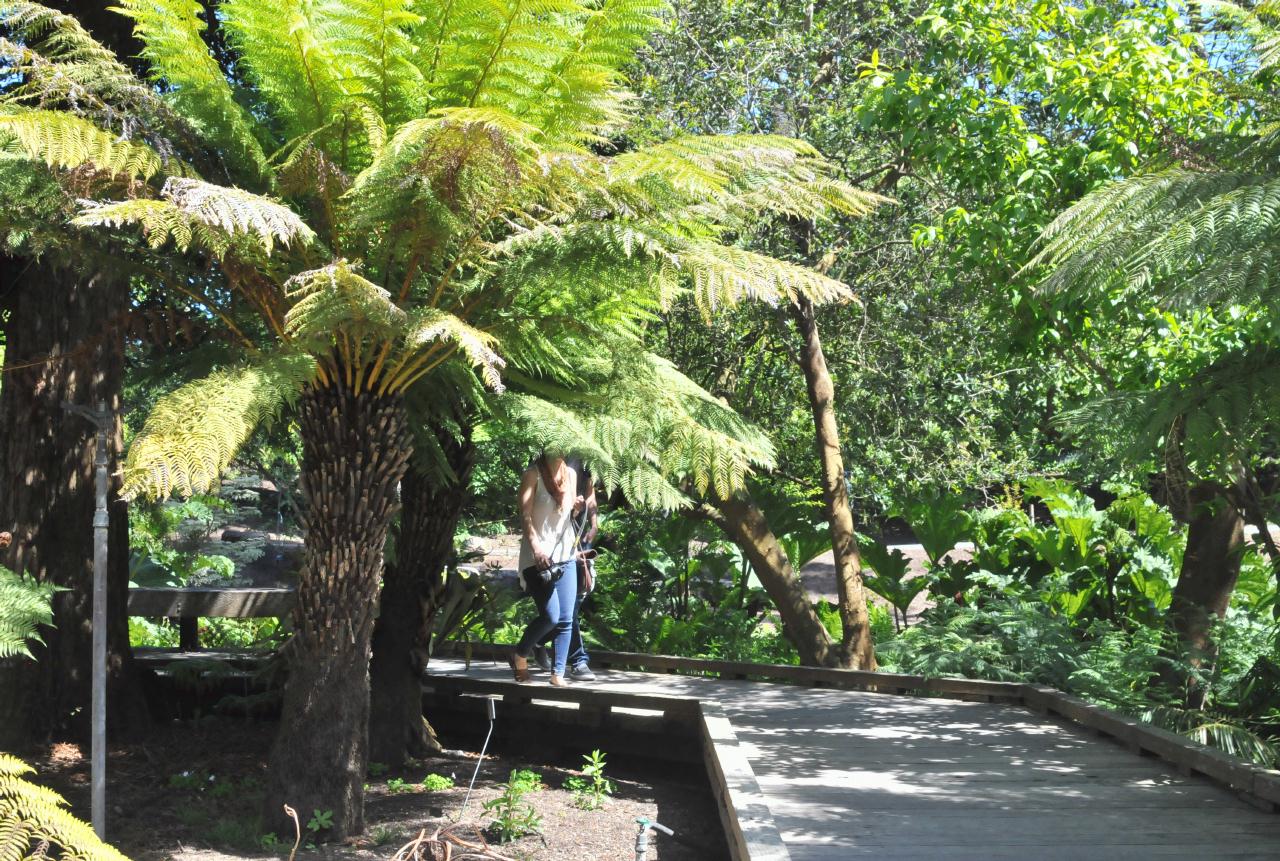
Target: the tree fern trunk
pixel 1210 568
pixel 746 526
pixel 59 350
pixel 411 592
pixel 355 450
pixel 856 647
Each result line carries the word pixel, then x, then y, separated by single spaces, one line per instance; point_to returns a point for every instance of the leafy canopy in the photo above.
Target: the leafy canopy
pixel 394 187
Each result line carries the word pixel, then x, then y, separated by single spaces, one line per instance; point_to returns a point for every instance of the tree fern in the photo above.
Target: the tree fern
pixel 65 141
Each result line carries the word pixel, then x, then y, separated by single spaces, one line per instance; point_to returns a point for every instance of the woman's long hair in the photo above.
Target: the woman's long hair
pixel 553 487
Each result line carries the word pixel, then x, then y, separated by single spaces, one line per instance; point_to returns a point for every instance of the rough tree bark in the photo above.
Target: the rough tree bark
pixel 411 591
pixel 58 351
pixel 745 525
pixel 856 647
pixel 355 450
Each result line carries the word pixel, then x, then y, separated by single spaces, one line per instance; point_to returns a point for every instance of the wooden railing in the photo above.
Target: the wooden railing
pixel 188 606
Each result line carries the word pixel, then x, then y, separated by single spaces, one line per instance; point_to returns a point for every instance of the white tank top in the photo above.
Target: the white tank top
pixel 551 522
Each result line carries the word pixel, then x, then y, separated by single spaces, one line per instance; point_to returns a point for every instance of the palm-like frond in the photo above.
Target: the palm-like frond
pixel 193 433
pixel 337 299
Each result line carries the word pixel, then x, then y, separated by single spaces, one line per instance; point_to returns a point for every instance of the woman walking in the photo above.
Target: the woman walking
pixel 548 567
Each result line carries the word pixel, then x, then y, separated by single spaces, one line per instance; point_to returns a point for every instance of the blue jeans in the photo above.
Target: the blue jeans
pixel 577 649
pixel 557 603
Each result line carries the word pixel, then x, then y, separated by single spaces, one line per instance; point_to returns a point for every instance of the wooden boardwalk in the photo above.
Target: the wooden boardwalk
pixel 850 774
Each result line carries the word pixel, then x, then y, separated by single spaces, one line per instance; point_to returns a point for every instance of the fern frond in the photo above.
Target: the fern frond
pixel 723 276
pixel 24 607
pixel 62 140
pixel 370 42
pixel 285 53
pixel 31 815
pixel 160 221
pixel 236 211
pixel 583 95
pixel 337 298
pixel 193 432
pixel 171 34
pixel 429 326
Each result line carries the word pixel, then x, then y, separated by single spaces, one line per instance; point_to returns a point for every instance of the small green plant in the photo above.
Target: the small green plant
pixel 398 786
pixel 513 817
pixel 437 783
pixel 377 769
pixel 270 842
pixel 321 820
pixel 531 781
pixel 590 790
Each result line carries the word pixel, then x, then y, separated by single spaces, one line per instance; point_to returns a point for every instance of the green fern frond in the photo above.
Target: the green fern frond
pixel 336 298
pixel 193 432
pixel 24 607
pixel 429 325
pixel 62 140
pixel 236 211
pixel 370 42
pixel 723 276
pixel 31 815
pixel 171 34
pixel 285 53
pixel 160 221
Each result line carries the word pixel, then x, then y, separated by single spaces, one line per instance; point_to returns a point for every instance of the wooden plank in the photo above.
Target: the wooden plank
pixel 201 602
pixel 580 695
pixel 744 813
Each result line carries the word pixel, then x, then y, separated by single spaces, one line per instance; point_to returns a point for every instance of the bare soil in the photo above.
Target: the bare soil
pixel 192 792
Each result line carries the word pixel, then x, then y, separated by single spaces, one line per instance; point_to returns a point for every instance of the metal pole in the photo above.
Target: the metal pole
pixel 100 524
pixel 104 422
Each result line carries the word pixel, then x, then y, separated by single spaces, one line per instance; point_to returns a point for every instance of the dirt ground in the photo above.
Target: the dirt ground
pixel 192 792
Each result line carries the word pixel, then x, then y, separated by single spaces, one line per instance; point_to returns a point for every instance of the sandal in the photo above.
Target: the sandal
pixel 519 666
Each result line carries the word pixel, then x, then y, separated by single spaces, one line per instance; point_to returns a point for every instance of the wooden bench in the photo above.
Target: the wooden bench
pixel 188 606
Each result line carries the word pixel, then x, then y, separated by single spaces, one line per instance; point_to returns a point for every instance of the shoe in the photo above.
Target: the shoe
pixel 582 673
pixel 519 666
pixel 542 657
pixel 559 682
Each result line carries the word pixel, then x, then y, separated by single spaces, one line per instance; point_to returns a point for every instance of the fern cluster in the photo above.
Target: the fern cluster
pixel 35 822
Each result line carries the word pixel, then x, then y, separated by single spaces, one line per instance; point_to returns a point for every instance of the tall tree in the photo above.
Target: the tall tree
pixel 444 204
pixel 62 318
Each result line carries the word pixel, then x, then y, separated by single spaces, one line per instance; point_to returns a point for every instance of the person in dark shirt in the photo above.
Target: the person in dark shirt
pixel 579 666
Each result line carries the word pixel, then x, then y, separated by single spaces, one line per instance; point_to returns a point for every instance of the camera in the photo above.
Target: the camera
pixel 533 575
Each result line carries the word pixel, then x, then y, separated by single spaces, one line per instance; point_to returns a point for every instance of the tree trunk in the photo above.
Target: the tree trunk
pixel 355 451
pixel 57 351
pixel 856 648
pixel 745 524
pixel 411 590
pixel 1210 567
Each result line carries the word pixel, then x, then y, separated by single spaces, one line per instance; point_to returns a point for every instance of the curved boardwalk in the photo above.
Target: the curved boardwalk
pixel 849 774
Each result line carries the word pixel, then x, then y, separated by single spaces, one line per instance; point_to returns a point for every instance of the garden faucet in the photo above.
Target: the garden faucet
pixel 642 838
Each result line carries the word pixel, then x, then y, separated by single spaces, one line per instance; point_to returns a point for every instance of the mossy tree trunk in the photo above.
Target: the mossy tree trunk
pixel 356 447
pixel 411 593
pixel 60 349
